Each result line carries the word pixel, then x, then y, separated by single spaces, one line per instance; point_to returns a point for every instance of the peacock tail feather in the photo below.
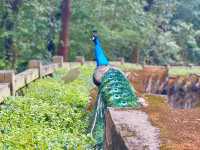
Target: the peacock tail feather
pixel 115 91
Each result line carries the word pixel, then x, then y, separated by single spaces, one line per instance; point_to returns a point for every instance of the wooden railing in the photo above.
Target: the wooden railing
pixel 11 82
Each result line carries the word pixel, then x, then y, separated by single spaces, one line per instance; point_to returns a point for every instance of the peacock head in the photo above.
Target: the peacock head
pixel 94 36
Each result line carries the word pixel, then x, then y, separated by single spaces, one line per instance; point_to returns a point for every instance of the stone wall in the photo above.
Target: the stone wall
pixel 128 129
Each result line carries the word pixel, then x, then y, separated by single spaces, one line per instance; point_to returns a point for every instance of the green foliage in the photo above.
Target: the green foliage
pixel 163 35
pixel 175 39
pixel 185 35
pixel 29 27
pixel 3 64
pixel 188 11
pixel 50 115
pixel 122 26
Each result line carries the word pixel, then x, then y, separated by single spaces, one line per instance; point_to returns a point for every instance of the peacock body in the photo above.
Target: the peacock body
pixel 114 90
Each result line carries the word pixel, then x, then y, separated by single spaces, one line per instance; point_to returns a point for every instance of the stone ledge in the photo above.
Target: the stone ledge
pixel 128 129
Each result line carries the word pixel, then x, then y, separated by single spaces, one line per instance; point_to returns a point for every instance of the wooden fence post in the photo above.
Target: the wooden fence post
pixel 80 59
pixel 167 67
pixel 36 64
pixel 8 76
pixel 121 60
pixel 58 60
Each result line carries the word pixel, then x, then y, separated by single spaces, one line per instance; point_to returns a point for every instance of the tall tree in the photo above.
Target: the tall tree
pixel 24 30
pixel 11 50
pixel 64 33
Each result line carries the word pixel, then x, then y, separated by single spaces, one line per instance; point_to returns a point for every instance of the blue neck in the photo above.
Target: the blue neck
pixel 101 58
pixel 96 41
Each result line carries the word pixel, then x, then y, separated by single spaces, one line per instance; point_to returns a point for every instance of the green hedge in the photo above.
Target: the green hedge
pixel 50 115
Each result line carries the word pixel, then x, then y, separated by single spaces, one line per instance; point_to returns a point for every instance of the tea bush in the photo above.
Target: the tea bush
pixel 50 115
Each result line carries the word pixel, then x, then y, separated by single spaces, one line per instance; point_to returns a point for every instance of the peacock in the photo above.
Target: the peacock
pixel 114 90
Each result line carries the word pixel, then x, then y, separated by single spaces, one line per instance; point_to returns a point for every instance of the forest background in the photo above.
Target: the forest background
pixel 155 32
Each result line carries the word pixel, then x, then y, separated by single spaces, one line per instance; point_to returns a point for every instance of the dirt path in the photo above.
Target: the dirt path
pixel 179 129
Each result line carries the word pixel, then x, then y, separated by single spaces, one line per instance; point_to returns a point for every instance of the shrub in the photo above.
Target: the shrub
pixel 50 115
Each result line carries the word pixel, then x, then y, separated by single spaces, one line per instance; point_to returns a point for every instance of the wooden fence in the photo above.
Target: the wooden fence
pixel 11 82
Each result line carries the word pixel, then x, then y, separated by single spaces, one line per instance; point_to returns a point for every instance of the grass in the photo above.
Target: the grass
pixel 183 70
pixel 128 66
pixel 173 71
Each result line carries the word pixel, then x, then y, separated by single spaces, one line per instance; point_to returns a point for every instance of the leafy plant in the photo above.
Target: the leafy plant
pixel 50 115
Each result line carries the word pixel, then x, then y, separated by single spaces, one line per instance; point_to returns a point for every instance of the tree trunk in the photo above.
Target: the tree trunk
pixel 14 58
pixel 63 47
pixel 136 55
